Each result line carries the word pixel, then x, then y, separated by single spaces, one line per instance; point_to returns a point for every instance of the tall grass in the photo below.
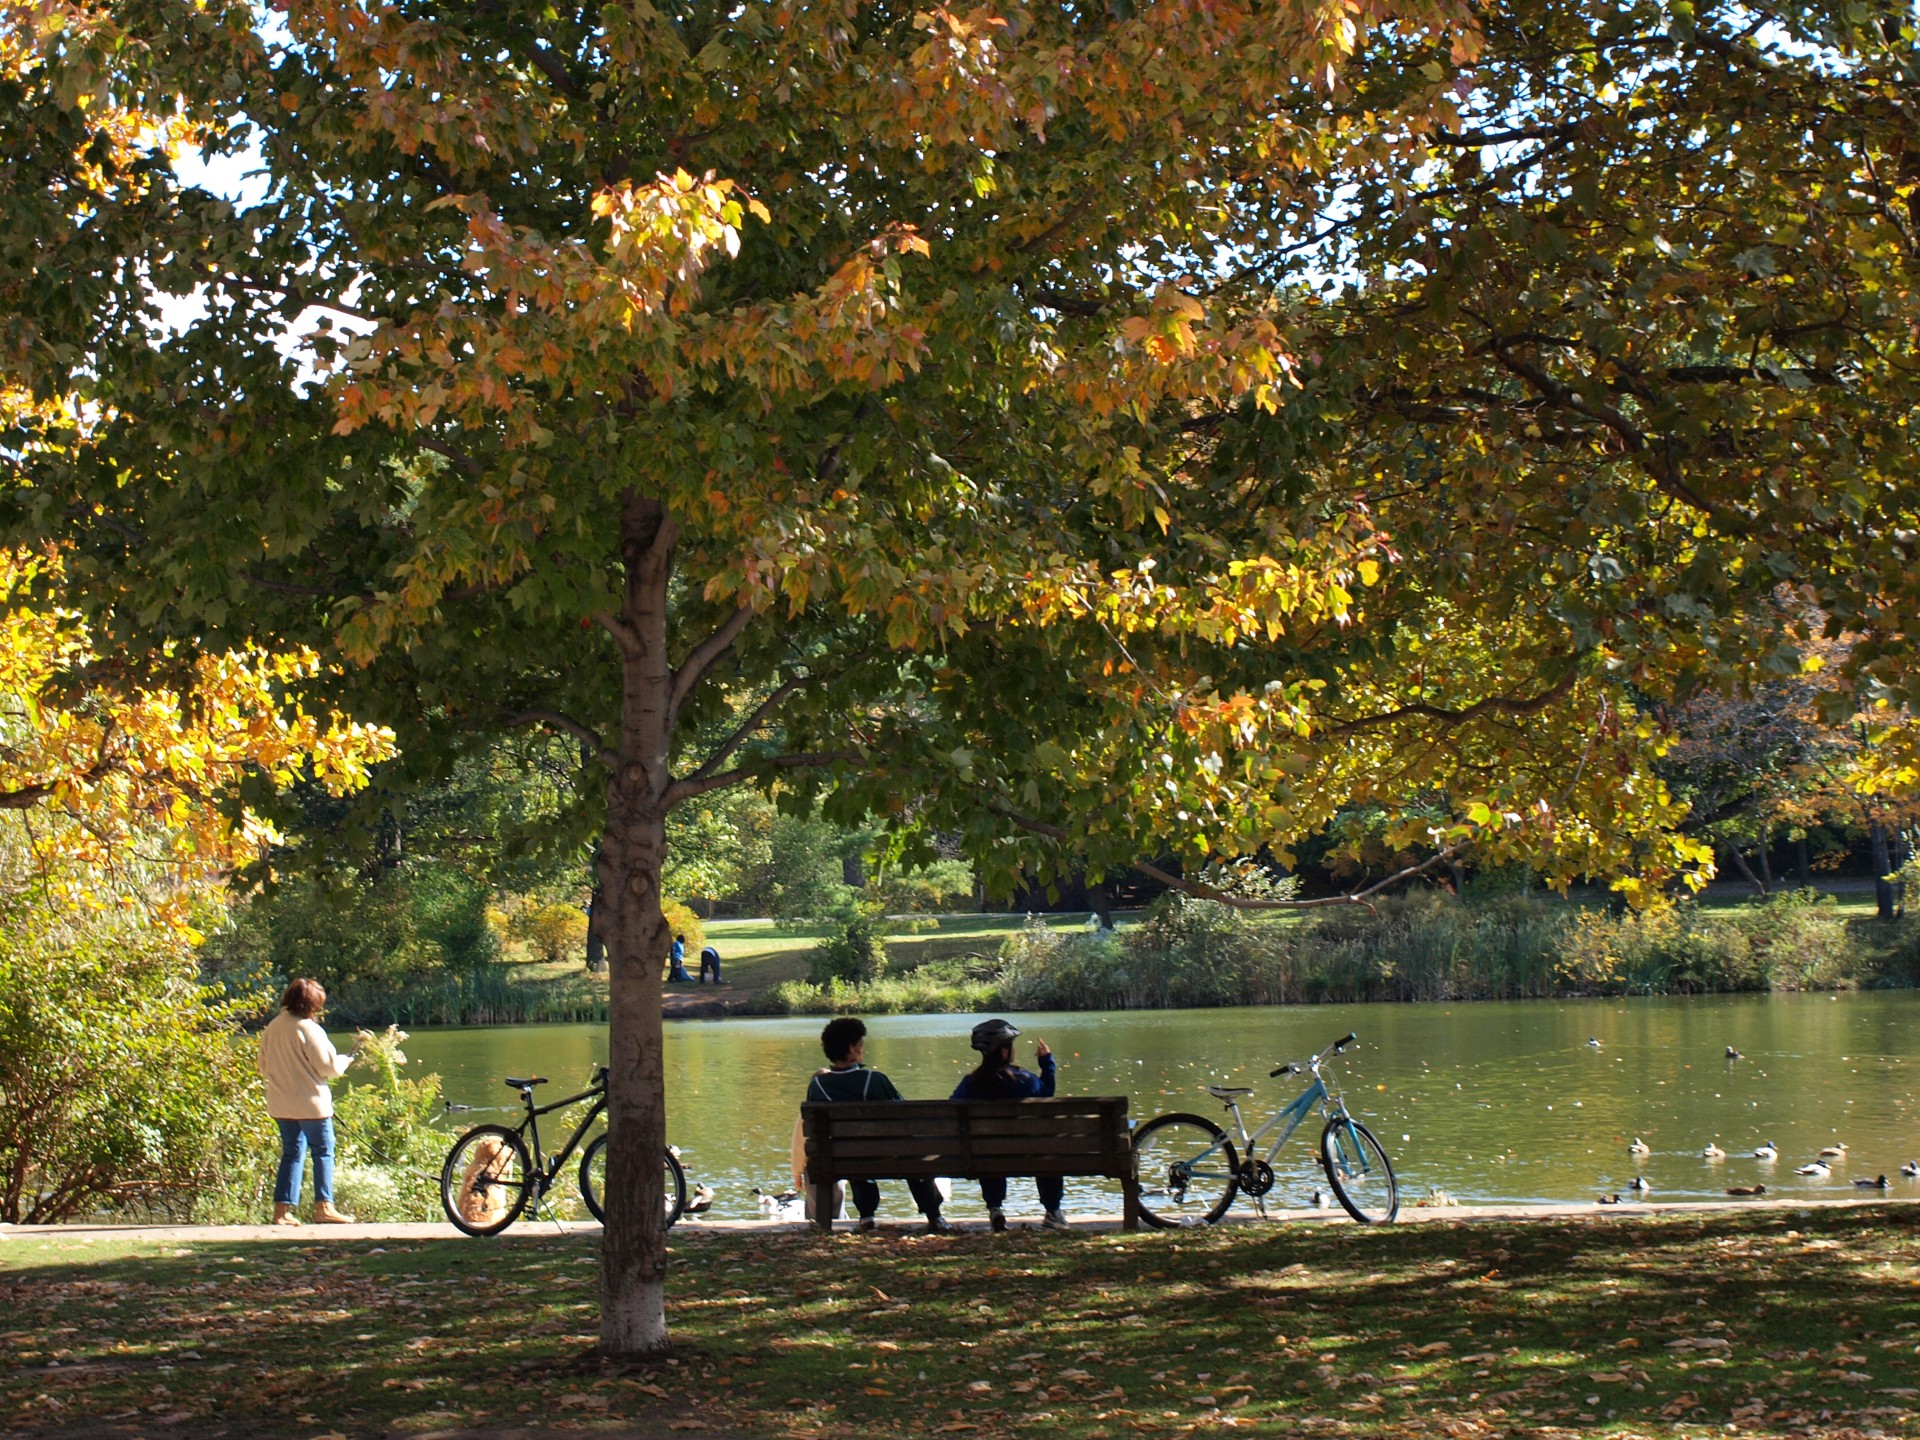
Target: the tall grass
pixel 491 995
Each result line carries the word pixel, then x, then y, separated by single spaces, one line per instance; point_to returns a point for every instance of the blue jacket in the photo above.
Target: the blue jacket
pixel 1012 1083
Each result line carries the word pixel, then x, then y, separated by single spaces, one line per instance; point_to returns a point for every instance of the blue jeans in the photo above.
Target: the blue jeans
pixel 296 1137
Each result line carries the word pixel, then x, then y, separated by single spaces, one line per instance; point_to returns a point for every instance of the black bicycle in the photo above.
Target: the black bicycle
pixel 492 1172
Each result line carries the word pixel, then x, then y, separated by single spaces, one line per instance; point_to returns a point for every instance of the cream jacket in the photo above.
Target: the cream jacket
pixel 299 1060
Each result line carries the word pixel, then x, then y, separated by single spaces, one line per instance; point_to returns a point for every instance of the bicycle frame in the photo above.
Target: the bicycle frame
pixel 1294 1114
pixel 548 1172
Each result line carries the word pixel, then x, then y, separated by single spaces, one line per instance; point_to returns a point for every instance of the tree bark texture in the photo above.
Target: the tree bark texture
pixel 634 1255
pixel 1883 889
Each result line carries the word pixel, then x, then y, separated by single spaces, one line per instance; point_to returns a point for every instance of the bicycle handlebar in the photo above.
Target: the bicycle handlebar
pixel 1334 1049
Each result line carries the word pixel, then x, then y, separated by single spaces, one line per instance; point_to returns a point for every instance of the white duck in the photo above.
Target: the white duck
pixel 1639 1147
pixel 1713 1152
pixel 1767 1151
pixel 1911 1169
pixel 1819 1169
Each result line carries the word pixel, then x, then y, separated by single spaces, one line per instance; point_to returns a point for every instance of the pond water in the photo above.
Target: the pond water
pixel 1487 1102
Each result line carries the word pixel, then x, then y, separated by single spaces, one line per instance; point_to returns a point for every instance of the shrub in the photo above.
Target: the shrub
pixel 121 1083
pixel 554 931
pixel 390 1147
pixel 682 921
pixel 856 951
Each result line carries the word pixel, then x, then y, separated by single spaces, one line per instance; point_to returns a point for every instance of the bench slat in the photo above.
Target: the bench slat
pixel 848 1154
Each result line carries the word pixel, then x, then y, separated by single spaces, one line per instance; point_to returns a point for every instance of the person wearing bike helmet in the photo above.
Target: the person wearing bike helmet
pixel 998 1078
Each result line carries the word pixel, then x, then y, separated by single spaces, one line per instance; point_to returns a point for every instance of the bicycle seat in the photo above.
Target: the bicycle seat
pixel 1227 1092
pixel 515 1083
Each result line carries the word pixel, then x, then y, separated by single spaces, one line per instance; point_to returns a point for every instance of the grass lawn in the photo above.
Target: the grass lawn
pixel 758 954
pixel 1771 1321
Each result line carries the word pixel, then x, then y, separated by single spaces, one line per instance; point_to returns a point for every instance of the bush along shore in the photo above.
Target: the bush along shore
pixel 1186 953
pixel 1424 946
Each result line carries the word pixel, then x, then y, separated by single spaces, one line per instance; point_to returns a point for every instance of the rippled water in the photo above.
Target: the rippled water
pixel 1488 1102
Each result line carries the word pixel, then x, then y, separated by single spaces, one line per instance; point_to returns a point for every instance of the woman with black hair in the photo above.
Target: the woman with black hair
pixel 996 1077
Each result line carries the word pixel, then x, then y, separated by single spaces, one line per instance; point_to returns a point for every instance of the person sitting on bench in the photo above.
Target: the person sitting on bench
pixel 845 1042
pixel 998 1078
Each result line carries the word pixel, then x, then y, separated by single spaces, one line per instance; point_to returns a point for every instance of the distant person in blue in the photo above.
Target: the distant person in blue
pixel 847 1078
pixel 709 960
pixel 998 1078
pixel 677 960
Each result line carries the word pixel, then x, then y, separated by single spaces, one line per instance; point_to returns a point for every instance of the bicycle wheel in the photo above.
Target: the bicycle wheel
pixel 487 1180
pixel 1189 1172
pixel 593 1182
pixel 1358 1170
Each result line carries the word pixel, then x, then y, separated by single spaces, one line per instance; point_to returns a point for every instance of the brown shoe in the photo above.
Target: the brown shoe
pixel 284 1215
pixel 325 1214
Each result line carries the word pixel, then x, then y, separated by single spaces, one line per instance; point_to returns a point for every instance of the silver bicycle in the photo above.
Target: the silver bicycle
pixel 1190 1170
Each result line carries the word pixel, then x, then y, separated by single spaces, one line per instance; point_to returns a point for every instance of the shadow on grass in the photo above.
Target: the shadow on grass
pixel 1775 1321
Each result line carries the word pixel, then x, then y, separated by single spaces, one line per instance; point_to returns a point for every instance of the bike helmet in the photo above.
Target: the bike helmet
pixel 990 1035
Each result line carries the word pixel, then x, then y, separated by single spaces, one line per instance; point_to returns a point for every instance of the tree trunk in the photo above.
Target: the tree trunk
pixel 1102 899
pixel 1740 859
pixel 633 1319
pixel 852 870
pixel 596 931
pixel 1882 869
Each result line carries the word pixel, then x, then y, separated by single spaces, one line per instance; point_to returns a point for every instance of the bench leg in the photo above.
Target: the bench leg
pixel 1130 1203
pixel 823 1204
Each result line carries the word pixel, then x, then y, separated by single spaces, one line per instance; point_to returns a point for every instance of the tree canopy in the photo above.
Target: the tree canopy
pixel 1092 431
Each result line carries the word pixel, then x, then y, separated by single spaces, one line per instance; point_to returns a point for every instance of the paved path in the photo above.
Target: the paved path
pixel 439 1230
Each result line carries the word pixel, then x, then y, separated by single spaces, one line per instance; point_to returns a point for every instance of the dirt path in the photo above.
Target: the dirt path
pixel 440 1230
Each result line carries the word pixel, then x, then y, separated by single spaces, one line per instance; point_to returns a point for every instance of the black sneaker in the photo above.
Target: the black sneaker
pixel 997 1220
pixel 867 1222
pixel 939 1225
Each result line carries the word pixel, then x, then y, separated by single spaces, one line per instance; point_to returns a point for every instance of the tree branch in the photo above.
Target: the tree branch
pixel 689 788
pixel 753 722
pixel 1358 897
pixel 1492 705
pixel 1202 891
pixel 560 720
pixel 703 655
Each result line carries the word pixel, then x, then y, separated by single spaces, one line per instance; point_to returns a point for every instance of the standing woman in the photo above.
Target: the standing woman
pixel 998 1078
pixel 300 1062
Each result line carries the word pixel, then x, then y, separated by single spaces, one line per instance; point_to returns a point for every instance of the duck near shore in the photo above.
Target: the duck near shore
pixel 1818 1169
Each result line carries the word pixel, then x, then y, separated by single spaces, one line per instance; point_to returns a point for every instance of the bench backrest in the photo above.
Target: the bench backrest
pixel 910 1138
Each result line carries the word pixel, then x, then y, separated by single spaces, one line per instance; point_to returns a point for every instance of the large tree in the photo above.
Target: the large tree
pixel 1092 431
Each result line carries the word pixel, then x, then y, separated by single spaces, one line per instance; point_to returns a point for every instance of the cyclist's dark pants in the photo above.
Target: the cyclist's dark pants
pixel 866 1196
pixel 1052 1188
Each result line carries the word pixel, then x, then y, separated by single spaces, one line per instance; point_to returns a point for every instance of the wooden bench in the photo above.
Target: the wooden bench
pixel 967 1139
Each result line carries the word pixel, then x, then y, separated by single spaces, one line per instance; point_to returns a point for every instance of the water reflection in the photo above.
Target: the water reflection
pixel 1490 1102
